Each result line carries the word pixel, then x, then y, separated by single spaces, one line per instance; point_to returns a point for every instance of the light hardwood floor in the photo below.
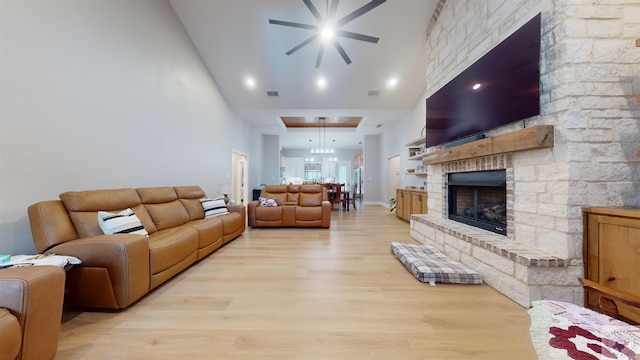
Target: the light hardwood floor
pixel 335 293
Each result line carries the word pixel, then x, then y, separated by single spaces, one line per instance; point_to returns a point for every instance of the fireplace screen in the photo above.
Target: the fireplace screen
pixel 479 199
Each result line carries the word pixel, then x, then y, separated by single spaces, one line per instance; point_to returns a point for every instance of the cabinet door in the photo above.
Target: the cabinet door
pixel 418 203
pixel 619 258
pixel 406 205
pixel 612 254
pixel 399 203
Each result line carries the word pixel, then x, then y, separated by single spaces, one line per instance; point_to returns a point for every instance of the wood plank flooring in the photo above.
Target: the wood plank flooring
pixel 335 293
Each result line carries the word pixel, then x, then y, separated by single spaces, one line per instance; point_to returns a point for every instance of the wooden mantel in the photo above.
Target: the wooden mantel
pixel 535 137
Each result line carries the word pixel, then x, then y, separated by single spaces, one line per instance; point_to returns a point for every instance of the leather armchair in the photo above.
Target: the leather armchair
pixel 30 312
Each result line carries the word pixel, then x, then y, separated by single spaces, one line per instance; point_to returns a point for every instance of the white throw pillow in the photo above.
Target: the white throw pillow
pixel 214 207
pixel 268 202
pixel 124 222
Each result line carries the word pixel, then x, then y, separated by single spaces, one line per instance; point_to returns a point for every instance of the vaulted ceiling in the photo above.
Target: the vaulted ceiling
pixel 237 42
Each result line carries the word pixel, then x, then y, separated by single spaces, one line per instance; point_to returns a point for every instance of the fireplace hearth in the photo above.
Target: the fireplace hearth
pixel 479 199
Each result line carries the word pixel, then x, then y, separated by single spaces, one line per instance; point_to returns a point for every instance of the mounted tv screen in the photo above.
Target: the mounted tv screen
pixel 508 89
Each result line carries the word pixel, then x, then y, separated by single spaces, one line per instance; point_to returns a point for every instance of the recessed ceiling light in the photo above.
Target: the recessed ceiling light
pixel 321 82
pixel 392 82
pixel 476 86
pixel 251 84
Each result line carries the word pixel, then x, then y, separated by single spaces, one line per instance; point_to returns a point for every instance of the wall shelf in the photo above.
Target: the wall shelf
pixel 535 137
pixel 417 173
pixel 418 141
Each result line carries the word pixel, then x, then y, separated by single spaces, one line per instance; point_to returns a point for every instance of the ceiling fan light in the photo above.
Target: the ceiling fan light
pixel 327 32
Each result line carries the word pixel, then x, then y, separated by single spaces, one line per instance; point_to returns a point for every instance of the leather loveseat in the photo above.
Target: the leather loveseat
pixel 119 269
pixel 297 206
pixel 30 312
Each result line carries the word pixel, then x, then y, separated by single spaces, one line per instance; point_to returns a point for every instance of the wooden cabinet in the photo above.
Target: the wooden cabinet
pixel 611 253
pixel 418 202
pixel 410 202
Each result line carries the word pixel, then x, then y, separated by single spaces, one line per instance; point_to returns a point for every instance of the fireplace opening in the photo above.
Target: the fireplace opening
pixel 479 199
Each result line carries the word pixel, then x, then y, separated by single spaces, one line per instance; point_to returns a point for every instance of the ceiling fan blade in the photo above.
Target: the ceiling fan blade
pixel 359 12
pixel 334 9
pixel 342 52
pixel 293 24
pixel 320 53
pixel 313 10
pixel 356 36
pixel 299 46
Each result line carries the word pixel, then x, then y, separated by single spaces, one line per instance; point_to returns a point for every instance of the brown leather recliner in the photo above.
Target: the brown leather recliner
pixel 298 206
pixel 30 312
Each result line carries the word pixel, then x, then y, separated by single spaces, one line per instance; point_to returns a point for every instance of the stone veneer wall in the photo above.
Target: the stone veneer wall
pixel 589 74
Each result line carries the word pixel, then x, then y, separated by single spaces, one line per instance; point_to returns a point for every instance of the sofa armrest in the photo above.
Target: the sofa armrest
pixel 326 214
pixel 34 295
pixel 251 210
pixel 114 272
pixel 237 208
pixel 241 210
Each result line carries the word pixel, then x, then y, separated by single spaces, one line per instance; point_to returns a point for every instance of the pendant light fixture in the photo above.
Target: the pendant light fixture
pixel 322 145
pixel 309 159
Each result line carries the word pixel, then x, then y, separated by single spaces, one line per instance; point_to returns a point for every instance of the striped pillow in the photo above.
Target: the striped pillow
pixel 124 222
pixel 214 207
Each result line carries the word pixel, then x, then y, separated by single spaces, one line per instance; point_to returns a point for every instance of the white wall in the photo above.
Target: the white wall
pixel 104 94
pixel 270 159
pixel 393 141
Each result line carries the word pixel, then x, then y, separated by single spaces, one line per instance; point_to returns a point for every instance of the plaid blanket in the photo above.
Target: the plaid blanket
pixel 428 264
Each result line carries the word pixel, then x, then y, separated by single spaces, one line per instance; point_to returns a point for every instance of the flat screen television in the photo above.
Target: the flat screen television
pixel 508 81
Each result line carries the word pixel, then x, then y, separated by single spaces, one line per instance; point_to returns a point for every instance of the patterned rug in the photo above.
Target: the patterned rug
pixel 562 330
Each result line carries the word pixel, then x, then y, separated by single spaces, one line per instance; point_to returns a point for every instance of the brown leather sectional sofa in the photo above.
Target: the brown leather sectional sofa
pixel 30 312
pixel 119 269
pixel 298 206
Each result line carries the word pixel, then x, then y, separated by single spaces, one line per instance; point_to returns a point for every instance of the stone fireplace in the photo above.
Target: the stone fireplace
pixel 498 248
pixel 588 96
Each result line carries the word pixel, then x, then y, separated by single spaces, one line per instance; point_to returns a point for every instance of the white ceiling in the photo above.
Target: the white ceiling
pixel 235 40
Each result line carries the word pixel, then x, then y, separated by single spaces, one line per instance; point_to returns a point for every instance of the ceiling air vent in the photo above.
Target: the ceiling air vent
pixel 272 93
pixel 373 93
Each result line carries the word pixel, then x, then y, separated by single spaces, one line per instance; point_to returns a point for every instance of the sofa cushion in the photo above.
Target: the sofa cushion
pixel 293 191
pixel 157 195
pixel 278 192
pixel 231 222
pixel 83 207
pixel 268 213
pixel 306 213
pixel 214 207
pixel 310 199
pixel 170 246
pixel 124 222
pixel 190 197
pixel 168 215
pixel 209 230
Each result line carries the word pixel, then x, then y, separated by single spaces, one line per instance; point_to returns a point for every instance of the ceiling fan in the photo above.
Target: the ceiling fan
pixel 328 26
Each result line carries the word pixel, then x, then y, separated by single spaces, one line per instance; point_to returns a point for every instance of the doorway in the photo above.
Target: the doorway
pixel 240 178
pixel 394 176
